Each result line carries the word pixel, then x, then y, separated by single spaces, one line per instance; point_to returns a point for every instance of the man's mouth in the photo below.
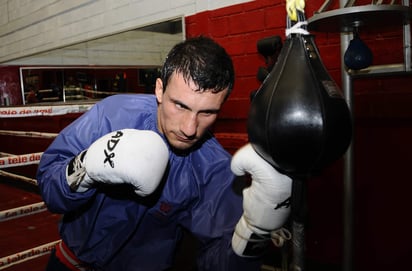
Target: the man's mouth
pixel 184 139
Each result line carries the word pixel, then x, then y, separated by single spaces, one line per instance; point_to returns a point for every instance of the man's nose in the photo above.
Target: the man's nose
pixel 189 125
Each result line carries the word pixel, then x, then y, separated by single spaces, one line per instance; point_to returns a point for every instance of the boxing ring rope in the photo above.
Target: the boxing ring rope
pixel 26 255
pixel 22 211
pixel 12 160
pixel 44 110
pixel 20 160
pixel 28 134
pixel 18 177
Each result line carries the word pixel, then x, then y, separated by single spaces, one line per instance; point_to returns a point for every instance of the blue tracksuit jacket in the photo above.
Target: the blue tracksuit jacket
pixel 112 229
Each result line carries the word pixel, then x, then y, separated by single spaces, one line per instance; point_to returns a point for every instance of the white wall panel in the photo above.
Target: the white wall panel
pixel 29 27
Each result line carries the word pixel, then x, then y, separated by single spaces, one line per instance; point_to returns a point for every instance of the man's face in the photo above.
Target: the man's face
pixel 184 115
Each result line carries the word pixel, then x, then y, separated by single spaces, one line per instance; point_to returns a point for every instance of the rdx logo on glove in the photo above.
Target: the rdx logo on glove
pixel 111 145
pixel 122 157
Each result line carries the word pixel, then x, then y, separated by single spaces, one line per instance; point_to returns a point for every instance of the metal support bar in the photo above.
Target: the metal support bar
pixel 299 216
pixel 347 264
pixel 407 41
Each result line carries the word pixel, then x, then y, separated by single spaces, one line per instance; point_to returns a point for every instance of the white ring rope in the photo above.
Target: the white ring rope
pixel 49 110
pixel 18 177
pixel 25 255
pixel 28 134
pixel 13 160
pixel 20 160
pixel 22 211
pixel 78 89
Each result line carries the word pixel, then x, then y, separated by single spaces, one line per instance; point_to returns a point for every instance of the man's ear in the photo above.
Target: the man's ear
pixel 159 90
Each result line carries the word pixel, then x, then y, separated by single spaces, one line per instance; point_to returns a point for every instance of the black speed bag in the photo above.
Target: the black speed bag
pixel 298 120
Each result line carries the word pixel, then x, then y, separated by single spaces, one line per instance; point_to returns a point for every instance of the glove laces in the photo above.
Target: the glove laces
pixel 280 236
pixel 76 171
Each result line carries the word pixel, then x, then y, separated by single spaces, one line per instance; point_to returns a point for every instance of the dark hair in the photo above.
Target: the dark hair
pixel 202 60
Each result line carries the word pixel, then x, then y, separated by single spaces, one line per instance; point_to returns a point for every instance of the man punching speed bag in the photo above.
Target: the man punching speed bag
pixel 298 123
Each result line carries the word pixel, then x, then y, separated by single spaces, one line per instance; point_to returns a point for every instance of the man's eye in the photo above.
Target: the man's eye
pixel 180 106
pixel 208 114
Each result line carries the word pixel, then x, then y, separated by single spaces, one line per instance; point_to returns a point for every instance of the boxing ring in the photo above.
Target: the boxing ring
pixel 28 231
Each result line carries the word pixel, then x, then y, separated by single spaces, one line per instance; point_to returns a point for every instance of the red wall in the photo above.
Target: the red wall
pixel 383 128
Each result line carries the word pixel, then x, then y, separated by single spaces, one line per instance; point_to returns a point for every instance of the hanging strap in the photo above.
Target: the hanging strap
pixel 292 8
pixel 296 20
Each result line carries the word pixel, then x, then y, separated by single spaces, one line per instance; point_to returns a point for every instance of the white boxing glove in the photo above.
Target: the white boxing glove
pixel 128 156
pixel 266 202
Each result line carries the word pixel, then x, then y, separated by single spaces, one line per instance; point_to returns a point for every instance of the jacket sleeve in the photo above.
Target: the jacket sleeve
pixel 51 172
pixel 214 218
